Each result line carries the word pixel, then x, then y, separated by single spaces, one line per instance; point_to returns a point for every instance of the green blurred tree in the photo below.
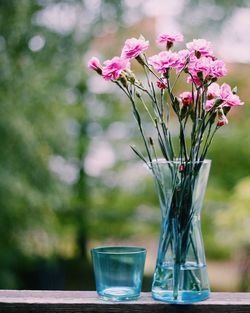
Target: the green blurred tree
pixel 43 122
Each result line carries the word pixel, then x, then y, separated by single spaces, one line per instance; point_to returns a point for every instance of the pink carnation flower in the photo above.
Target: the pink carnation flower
pixel 228 97
pixel 164 38
pixel 200 47
pixel 113 68
pixel 208 67
pixel 164 60
pixel 133 47
pixel 200 65
pixel 209 105
pixel 186 98
pixel 218 68
pixel 213 91
pixel 224 93
pixel 196 66
pixel 94 64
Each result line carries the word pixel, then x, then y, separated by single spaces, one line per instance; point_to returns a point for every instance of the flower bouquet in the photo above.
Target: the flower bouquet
pixel 179 166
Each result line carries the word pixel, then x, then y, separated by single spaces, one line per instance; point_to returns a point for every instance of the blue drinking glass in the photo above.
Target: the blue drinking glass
pixel 118 272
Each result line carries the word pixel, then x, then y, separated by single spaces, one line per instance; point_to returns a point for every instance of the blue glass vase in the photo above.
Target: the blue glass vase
pixel 180 274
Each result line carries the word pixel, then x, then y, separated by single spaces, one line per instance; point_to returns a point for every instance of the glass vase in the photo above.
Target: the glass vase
pixel 180 274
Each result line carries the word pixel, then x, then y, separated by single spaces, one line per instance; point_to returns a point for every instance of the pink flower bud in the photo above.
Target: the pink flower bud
pixel 94 64
pixel 222 120
pixel 186 98
pixel 161 84
pixel 181 168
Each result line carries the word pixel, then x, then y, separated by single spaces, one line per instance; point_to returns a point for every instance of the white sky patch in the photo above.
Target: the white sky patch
pixel 132 15
pixel 60 17
pixel 133 3
pixel 36 43
pixel 133 176
pixel 166 12
pixel 92 5
pixel 100 157
pixel 98 85
pixel 234 44
pixel 118 130
pixel 66 171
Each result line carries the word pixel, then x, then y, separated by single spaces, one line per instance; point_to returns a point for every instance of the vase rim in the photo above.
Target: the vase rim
pixel 177 161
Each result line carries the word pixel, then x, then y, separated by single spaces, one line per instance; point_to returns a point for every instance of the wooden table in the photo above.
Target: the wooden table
pixel 86 301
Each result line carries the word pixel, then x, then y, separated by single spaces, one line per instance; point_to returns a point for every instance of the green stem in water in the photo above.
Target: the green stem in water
pixel 177 255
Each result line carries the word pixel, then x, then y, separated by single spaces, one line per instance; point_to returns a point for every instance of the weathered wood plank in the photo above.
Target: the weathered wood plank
pixel 25 301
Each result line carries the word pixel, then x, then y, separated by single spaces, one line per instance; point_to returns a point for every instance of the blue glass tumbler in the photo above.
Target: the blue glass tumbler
pixel 118 272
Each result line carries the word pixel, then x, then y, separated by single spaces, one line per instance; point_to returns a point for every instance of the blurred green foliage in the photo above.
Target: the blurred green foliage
pixel 56 126
pixel 31 128
pixel 43 124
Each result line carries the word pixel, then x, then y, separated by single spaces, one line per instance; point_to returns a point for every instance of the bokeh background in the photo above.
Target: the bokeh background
pixel 69 180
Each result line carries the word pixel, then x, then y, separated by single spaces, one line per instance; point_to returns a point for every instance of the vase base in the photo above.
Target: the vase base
pixel 118 294
pixel 184 297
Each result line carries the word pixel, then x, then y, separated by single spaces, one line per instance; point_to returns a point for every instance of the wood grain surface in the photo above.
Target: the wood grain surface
pixel 87 301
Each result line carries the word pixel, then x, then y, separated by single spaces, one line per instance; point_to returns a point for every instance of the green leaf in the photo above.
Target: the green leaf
pixel 184 111
pixel 213 117
pixel 139 154
pixel 163 150
pixel 168 142
pixel 192 114
pixel 200 76
pixel 218 102
pixel 226 110
pixel 137 115
pixel 176 105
